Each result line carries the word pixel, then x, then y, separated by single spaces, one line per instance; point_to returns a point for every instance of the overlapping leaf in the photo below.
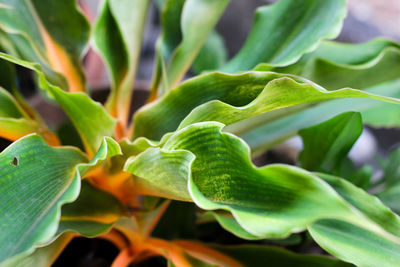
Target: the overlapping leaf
pixel 353 243
pixel 282 32
pixel 268 202
pixel 267 129
pixel 41 257
pixel 212 55
pixel 14 122
pixel 35 181
pixel 370 66
pixel 54 176
pixel 90 119
pixel 185 28
pixel 93 213
pixel 118 35
pixel 95 210
pixel 231 98
pixel 326 145
pixel 56 41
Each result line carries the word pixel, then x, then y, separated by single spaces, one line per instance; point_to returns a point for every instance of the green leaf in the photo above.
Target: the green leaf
pixel 212 55
pixel 230 224
pixel 109 148
pixel 90 119
pixel 9 106
pixel 222 176
pixel 13 129
pixel 43 256
pixel 95 210
pixel 340 58
pixel 231 98
pixel 284 31
pixel 354 244
pixel 332 75
pixel 14 122
pixel 335 65
pixel 117 36
pixel 153 121
pixel 364 248
pixel 157 167
pixel 328 143
pixel 56 42
pixel 390 194
pixel 93 213
pixel 177 49
pixel 265 130
pixel 268 202
pixel 256 255
pixel 35 181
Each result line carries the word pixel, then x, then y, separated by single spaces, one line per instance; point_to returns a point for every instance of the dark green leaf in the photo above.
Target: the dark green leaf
pixel 328 143
pixel 35 181
pixel 284 31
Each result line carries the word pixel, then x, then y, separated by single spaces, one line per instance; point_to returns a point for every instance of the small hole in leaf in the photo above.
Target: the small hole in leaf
pixel 15 161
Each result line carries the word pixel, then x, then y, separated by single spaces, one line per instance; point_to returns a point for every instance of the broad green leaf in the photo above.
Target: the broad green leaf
pixel 265 130
pixel 153 121
pixel 56 42
pixel 277 94
pixel 177 49
pixel 355 65
pixel 92 213
pixel 36 180
pixel 352 243
pixel 231 98
pixel 268 202
pixel 212 55
pixel 90 119
pixel 43 256
pixel 284 31
pixel 117 36
pixel 328 143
